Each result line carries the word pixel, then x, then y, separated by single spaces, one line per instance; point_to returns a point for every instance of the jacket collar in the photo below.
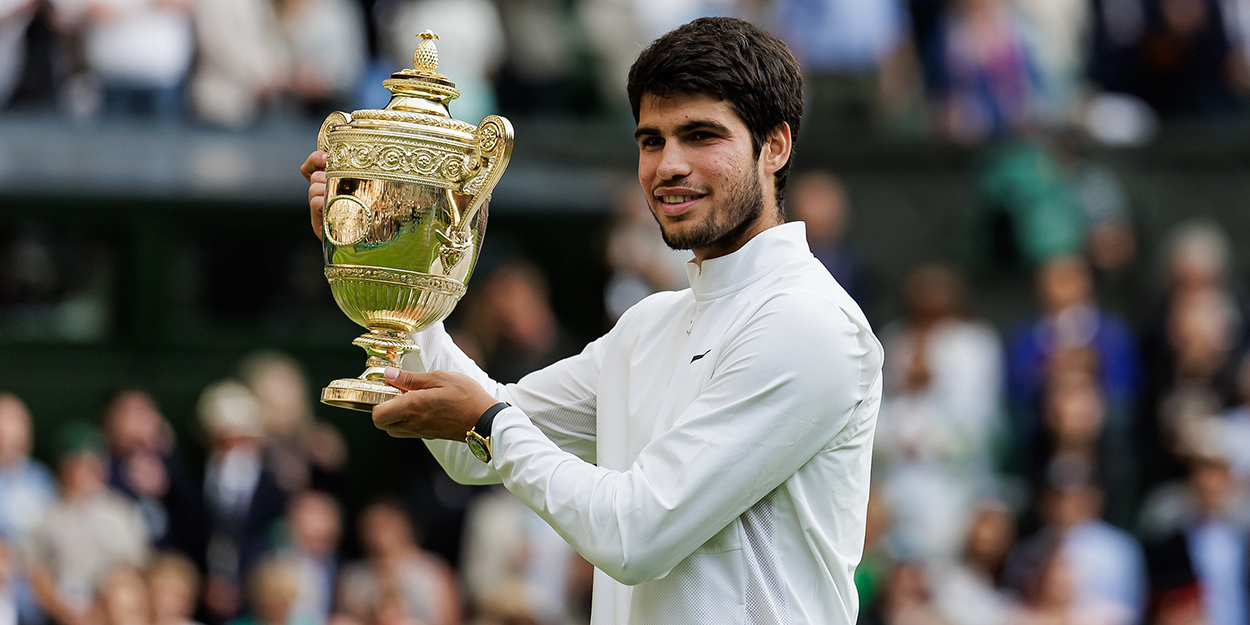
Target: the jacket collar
pixel 765 251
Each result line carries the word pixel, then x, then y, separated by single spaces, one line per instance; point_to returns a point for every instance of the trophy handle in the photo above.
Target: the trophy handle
pixel 334 119
pixel 493 148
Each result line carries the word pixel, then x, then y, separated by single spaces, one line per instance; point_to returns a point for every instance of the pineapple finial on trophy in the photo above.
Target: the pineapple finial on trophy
pixel 425 59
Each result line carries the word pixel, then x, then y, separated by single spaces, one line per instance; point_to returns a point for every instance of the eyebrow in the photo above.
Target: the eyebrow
pixel 687 127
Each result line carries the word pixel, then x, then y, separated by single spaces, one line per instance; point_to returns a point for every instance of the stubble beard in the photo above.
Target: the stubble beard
pixel 744 203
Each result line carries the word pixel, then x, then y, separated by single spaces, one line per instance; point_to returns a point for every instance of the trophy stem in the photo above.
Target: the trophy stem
pixel 386 348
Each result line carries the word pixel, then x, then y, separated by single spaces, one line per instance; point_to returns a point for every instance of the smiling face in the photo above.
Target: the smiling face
pixel 701 175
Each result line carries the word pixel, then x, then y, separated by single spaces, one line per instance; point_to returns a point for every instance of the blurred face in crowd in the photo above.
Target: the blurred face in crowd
pixel 133 424
pixel 1075 409
pixel 15 439
pixel 518 299
pixel 385 530
pixel 819 200
pixel 82 473
pixel 315 523
pixel 274 589
pixel 1212 482
pixel 173 595
pixel 1067 507
pixel 1063 282
pixel 282 393
pixel 699 171
pixel 123 599
pixel 990 537
pixel 932 292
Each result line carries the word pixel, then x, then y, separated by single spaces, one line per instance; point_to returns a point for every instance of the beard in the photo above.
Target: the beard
pixel 744 202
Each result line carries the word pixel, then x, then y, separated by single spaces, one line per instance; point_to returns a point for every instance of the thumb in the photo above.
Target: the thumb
pixel 409 380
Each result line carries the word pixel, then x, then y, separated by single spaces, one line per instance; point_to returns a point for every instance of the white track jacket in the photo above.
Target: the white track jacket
pixel 709 454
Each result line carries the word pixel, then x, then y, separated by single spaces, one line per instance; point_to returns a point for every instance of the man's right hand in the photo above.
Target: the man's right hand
pixel 314 170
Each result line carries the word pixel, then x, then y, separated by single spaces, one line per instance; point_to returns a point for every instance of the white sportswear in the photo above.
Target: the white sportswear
pixel 709 454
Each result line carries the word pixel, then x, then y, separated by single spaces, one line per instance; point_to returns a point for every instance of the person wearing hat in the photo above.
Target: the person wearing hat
pixel 241 495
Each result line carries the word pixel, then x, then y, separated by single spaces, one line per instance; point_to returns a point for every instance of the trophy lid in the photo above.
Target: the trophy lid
pixel 422 89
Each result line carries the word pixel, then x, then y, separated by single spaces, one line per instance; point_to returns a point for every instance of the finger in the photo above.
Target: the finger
pixel 314 206
pixel 391 413
pixel 411 380
pixel 315 162
pixel 316 190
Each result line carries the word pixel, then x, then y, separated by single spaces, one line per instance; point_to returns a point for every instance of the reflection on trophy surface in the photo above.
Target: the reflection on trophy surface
pixel 405 214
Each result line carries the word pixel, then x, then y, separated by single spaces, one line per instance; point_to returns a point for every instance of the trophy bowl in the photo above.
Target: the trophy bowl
pixel 407 188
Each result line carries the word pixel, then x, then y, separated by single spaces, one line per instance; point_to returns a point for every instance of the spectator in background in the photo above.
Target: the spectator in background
pixel 967 592
pixel 513 562
pixel 992 81
pixel 89 530
pixel 471 53
pixel 123 598
pixel 241 495
pixel 1072 330
pixel 15 16
pixel 1199 324
pixel 272 589
pixel 906 599
pixel 397 579
pixel 174 584
pixel 1054 596
pixel 302 451
pixel 27 490
pixel 314 527
pixel 1056 38
pixel 940 412
pixel 1106 563
pixel 851 52
pixel 1118 26
pixel 1211 547
pixel 1236 425
pixel 243 62
pixel 139 51
pixel 510 322
pixel 327 44
pixel 641 263
pixel 1186 59
pixel 144 466
pixel 819 200
pixel 540 54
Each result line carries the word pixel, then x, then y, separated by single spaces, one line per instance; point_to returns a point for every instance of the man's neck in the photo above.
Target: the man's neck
pixel 768 218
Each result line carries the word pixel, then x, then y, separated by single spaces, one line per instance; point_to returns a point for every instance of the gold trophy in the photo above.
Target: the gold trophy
pixel 405 213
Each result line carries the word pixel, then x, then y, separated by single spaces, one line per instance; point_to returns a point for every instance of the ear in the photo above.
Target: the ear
pixel 775 152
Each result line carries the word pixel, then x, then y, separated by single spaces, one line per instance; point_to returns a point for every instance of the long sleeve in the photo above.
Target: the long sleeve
pixel 559 400
pixel 795 382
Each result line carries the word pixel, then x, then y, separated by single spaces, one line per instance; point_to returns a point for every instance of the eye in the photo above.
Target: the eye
pixel 651 141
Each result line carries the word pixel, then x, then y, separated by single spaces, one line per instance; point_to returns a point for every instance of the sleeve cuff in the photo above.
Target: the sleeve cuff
pixel 506 419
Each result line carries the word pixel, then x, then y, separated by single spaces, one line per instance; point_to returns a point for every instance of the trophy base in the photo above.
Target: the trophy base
pixel 358 394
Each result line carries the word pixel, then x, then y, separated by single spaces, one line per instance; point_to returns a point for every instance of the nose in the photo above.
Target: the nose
pixel 673 162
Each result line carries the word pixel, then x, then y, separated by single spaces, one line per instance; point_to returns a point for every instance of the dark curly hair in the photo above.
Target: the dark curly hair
pixel 732 60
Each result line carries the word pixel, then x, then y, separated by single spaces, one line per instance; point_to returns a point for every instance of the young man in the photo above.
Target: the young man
pixel 710 454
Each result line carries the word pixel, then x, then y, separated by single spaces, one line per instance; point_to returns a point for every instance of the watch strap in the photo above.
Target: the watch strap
pixel 485 421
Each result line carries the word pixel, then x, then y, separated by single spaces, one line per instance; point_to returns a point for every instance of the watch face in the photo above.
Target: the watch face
pixel 478 446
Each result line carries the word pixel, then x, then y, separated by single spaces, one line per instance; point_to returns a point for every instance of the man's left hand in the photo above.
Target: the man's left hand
pixel 438 404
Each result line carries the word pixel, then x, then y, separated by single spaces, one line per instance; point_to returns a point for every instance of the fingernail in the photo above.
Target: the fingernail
pixel 391 373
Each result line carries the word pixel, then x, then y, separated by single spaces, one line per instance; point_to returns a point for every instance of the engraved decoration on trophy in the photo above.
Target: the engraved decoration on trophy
pixel 406 202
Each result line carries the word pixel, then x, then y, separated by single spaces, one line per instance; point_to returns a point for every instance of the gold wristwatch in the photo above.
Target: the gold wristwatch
pixel 478 436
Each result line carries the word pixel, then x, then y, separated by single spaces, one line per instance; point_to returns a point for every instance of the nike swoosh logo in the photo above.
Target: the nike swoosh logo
pixel 700 355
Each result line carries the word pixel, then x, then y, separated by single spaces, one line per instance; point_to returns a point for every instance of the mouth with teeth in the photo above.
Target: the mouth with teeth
pixel 676 204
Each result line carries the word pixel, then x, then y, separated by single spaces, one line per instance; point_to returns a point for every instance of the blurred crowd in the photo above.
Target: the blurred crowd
pixel 969 70
pixel 1088 464
pixel 120 530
